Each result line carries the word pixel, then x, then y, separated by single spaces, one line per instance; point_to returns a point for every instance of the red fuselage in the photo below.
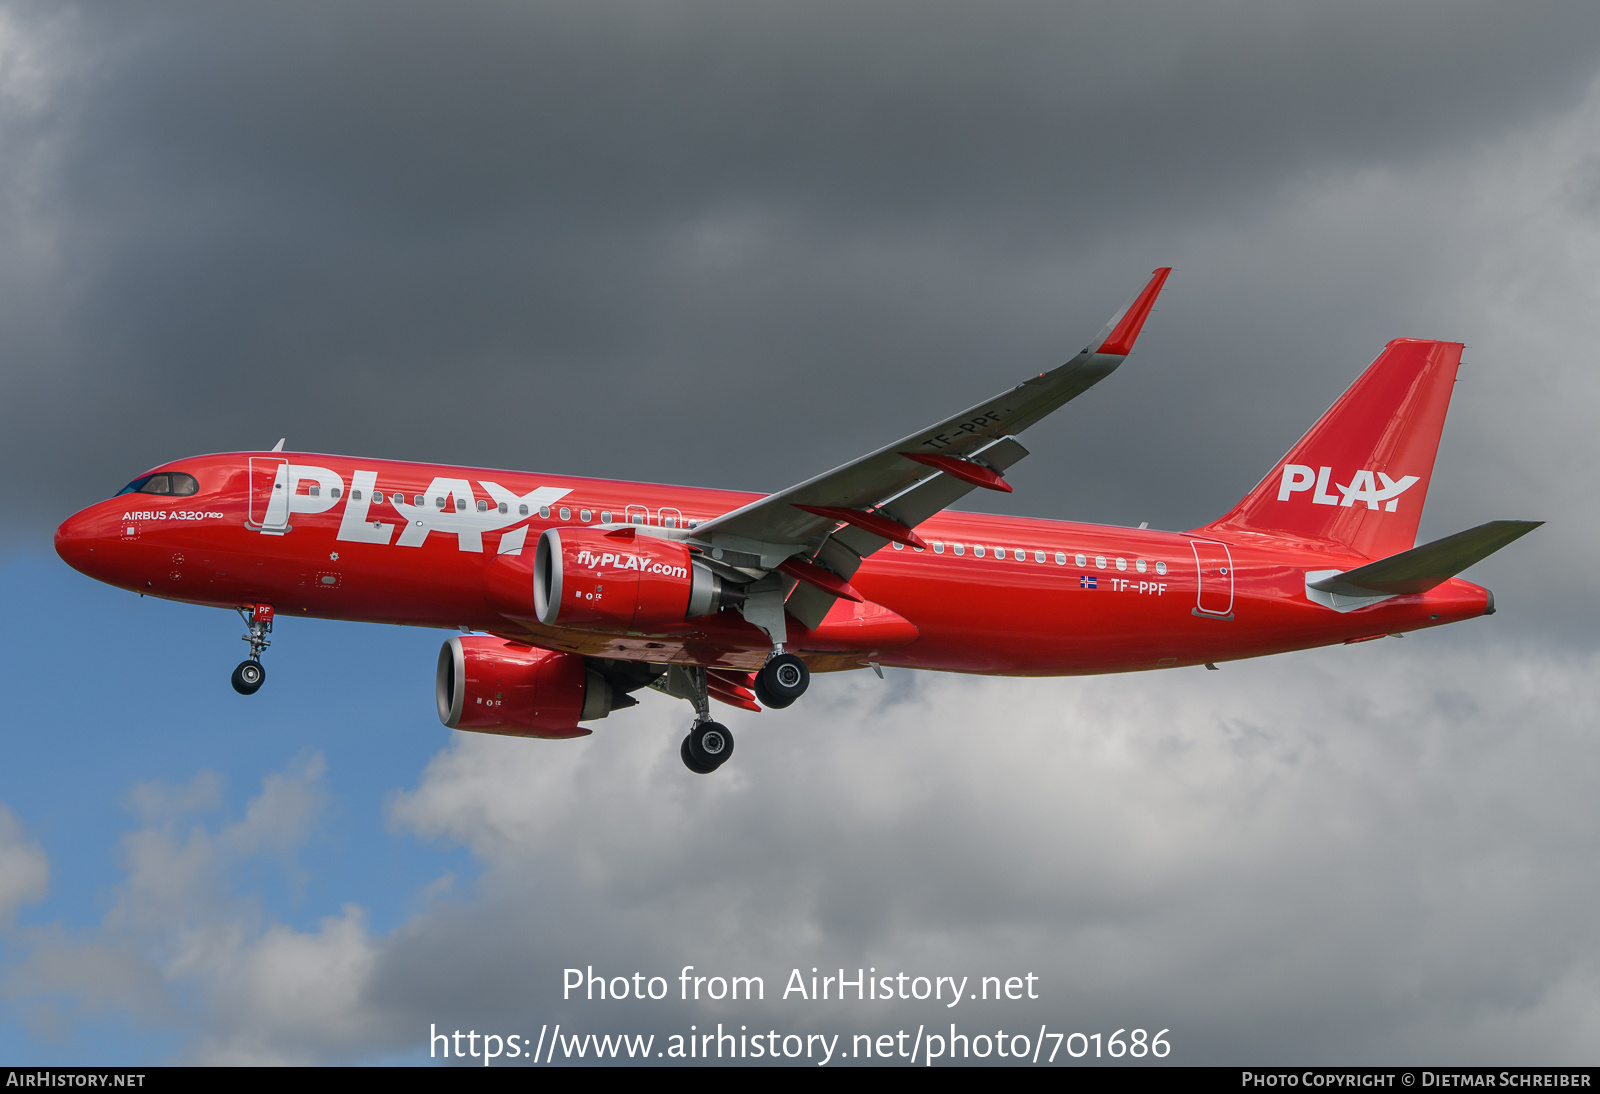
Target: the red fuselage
pixel 993 595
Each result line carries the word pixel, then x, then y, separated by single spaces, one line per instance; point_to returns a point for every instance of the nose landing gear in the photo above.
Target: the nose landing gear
pixel 250 675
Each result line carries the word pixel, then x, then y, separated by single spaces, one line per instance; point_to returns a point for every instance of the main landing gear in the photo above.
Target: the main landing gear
pixel 709 744
pixel 782 680
pixel 250 675
pixel 707 747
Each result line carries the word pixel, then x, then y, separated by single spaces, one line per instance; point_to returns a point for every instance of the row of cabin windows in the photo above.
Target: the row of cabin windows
pixel 1020 554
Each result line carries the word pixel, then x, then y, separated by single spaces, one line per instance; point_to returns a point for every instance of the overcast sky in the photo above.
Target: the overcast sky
pixel 734 245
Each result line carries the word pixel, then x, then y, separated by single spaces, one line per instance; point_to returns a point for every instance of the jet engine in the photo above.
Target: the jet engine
pixel 491 685
pixel 618 580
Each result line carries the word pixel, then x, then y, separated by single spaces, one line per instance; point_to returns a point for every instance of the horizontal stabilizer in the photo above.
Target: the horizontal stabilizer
pixel 1421 568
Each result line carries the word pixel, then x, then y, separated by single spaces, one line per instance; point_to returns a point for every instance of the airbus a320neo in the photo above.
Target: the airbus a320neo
pixel 572 593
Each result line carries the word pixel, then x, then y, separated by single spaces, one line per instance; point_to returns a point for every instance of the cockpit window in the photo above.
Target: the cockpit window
pixel 173 484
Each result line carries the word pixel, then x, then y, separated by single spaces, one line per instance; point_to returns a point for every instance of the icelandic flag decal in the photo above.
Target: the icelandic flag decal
pixel 1087 581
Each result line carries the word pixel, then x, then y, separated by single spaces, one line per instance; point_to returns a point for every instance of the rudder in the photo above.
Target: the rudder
pixel 1360 476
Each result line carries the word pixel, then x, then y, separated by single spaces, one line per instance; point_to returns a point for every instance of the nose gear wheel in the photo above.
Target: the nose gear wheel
pixel 248 677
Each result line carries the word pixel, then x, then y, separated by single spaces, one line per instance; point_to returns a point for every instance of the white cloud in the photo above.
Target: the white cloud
pixel 180 947
pixel 24 867
pixel 1326 853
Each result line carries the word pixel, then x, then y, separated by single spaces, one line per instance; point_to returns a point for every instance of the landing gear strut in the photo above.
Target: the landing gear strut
pixel 782 680
pixel 250 675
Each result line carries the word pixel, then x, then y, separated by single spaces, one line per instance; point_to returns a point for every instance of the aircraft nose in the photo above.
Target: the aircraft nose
pixel 76 540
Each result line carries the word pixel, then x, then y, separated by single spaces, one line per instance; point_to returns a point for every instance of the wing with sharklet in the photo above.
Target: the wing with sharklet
pixel 801 546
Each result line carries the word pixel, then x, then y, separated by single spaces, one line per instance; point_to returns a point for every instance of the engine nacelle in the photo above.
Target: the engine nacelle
pixel 619 580
pixel 491 685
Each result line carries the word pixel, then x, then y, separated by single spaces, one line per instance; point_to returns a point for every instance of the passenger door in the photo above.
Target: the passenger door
pixel 1214 596
pixel 269 494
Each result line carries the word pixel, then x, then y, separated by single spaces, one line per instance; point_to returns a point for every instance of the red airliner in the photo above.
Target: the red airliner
pixel 571 593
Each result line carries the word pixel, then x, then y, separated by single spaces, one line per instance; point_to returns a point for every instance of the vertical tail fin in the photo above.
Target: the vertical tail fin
pixel 1361 474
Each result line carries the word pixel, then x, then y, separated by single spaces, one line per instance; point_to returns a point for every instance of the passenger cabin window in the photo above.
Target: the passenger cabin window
pixel 522 510
pixel 172 484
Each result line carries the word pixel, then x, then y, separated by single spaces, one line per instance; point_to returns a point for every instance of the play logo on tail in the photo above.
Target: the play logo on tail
pixel 1297 476
pixel 1359 477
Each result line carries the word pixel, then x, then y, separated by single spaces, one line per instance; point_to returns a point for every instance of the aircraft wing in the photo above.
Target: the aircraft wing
pixel 835 519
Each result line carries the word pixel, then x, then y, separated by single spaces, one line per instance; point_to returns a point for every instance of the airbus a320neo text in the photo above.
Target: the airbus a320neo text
pixel 573 593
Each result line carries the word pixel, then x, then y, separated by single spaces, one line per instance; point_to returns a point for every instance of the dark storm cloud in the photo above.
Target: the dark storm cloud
pixel 707 243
